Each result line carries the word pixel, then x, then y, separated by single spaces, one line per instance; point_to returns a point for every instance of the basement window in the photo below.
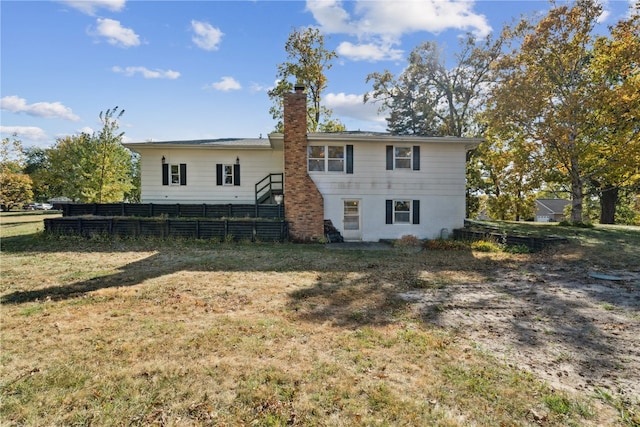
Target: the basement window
pixel 401 211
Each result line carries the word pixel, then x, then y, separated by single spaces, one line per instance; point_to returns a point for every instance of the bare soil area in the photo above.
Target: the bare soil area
pixel 575 331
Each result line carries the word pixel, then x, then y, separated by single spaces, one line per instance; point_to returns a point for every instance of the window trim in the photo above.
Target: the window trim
pixel 227 172
pixel 390 212
pixel 397 212
pixel 397 158
pixel 414 159
pixel 221 174
pixel 346 159
pixel 167 174
pixel 172 175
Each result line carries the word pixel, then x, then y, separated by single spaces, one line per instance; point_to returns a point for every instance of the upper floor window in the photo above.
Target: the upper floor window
pixel 174 174
pixel 403 157
pixel 228 174
pixel 326 158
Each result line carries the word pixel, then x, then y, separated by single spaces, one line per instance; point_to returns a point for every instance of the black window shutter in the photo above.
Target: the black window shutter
pixel 349 158
pixel 183 174
pixel 416 157
pixel 389 157
pixel 389 216
pixel 236 174
pixel 219 174
pixel 165 174
pixel 416 211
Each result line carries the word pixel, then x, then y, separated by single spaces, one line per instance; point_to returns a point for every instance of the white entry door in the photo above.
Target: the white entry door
pixel 351 227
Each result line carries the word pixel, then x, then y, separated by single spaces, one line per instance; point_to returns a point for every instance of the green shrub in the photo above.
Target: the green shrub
pixel 517 249
pixel 485 246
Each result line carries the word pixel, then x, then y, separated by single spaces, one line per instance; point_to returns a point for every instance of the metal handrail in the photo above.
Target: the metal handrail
pixel 269 182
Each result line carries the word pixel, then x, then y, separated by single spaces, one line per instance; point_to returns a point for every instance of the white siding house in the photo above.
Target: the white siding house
pixel 371 186
pixel 378 186
pixel 197 180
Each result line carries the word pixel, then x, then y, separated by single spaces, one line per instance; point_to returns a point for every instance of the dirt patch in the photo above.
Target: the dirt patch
pixel 576 332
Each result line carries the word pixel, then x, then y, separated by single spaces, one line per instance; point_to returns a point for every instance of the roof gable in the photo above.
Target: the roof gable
pixel 553 206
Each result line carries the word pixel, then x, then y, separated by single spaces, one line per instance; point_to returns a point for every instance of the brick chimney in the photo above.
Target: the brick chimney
pixel 304 204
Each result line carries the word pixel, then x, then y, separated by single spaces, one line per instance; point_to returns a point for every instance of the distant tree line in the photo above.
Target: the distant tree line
pixel 84 168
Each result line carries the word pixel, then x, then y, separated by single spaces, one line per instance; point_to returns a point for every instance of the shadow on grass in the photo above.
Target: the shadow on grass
pixel 356 288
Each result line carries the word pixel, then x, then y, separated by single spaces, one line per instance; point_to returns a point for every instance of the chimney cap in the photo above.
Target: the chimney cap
pixel 298 88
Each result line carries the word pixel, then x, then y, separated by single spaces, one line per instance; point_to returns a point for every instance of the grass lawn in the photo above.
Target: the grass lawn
pixel 179 333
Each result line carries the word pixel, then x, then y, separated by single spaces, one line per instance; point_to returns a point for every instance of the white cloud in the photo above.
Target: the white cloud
pixel 115 33
pixel 351 105
pixel 379 25
pixel 225 84
pixel 257 87
pixel 49 110
pixel 24 132
pixel 206 36
pixel 90 7
pixel 368 52
pixel 86 129
pixel 330 15
pixel 147 73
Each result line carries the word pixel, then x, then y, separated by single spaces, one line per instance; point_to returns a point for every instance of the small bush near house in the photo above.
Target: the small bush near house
pixel 445 245
pixel 407 241
pixel 485 246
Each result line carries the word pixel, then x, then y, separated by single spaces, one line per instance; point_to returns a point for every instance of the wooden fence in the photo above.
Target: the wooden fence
pixel 253 230
pixel 533 243
pixel 174 210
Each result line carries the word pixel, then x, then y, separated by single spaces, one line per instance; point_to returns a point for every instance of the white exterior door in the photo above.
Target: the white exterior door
pixel 351 227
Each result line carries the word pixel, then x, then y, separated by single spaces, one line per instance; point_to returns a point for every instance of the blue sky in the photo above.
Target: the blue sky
pixel 201 69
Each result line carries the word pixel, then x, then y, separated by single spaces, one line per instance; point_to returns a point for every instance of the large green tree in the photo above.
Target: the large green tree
pixel 92 168
pixel 307 62
pixel 545 91
pixel 512 169
pixel 615 123
pixel 431 98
